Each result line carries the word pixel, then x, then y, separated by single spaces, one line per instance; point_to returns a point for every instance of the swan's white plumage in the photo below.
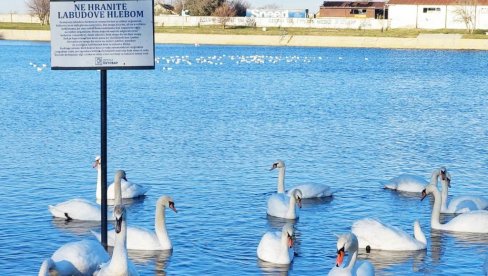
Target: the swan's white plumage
pixel 75 258
pixel 312 190
pixel 119 263
pixel 78 208
pixel 277 247
pixel 139 238
pixel 129 189
pixel 459 204
pixel 375 234
pixel 474 222
pixel 463 204
pixel 283 206
pixel 407 183
pixel 349 243
pixel 309 190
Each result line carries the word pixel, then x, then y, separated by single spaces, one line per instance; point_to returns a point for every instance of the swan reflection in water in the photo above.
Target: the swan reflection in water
pixel 469 239
pixel 274 269
pixel 278 223
pixel 440 240
pixel 160 258
pixel 311 202
pixel 382 259
pixel 76 227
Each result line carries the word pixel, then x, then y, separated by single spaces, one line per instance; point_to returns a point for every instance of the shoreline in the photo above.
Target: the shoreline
pixel 423 41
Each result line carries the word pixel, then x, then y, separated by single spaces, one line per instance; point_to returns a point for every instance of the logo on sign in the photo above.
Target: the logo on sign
pixel 98 61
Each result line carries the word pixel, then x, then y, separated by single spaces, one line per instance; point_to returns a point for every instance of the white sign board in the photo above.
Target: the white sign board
pixel 102 34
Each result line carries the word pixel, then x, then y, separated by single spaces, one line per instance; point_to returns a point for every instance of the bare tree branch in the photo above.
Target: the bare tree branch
pixel 225 12
pixel 39 8
pixel 465 12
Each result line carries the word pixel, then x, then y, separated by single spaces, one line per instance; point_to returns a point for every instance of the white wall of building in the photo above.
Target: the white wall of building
pixel 482 17
pixel 337 23
pixel 402 16
pixel 431 17
pixel 434 17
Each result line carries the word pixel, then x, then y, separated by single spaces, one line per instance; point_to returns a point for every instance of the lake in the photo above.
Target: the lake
pixel 205 127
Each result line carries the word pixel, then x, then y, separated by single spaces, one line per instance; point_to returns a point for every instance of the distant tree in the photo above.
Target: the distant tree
pixel 240 6
pixel 465 11
pixel 201 7
pixel 178 5
pixel 162 8
pixel 39 8
pixel 224 12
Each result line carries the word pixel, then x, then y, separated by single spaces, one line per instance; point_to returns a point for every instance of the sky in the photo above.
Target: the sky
pixel 312 5
pixel 18 6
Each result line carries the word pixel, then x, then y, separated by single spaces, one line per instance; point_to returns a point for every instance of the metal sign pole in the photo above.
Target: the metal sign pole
pixel 103 101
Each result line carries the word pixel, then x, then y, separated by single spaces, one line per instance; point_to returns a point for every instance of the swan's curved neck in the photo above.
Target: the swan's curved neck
pixel 160 225
pixel 120 257
pixel 444 194
pixel 118 191
pixel 418 234
pixel 292 207
pixel 352 260
pixel 436 210
pixel 46 266
pixel 434 178
pixel 281 180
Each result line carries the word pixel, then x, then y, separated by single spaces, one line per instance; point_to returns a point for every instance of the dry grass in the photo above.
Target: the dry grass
pixel 24 26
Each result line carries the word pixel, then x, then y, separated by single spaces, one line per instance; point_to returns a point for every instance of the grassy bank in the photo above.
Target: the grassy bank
pixel 408 33
pixel 24 26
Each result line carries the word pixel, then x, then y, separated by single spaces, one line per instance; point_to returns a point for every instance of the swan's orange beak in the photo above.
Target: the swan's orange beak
pixel 340 257
pixel 290 241
pixel 299 202
pixel 95 164
pixel 424 194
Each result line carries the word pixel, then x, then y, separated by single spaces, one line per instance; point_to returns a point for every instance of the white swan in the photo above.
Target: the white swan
pixel 75 258
pixel 119 264
pixel 283 206
pixel 82 209
pixel 475 221
pixel 373 234
pixel 411 183
pixel 129 189
pixel 143 239
pixel 349 243
pixel 460 204
pixel 277 247
pixel 77 208
pixel 308 190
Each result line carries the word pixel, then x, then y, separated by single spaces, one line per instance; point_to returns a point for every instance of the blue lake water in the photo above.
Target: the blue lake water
pixel 207 133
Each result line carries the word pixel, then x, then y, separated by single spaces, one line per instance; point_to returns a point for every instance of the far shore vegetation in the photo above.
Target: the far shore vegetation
pixel 229 30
